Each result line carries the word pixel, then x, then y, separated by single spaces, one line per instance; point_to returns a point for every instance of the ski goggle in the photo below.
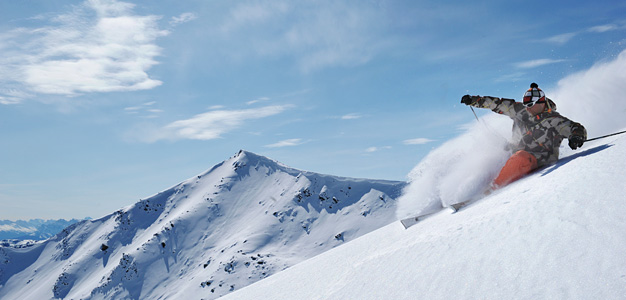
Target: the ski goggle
pixel 531 103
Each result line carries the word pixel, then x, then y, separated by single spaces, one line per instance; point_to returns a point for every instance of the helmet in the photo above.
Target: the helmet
pixel 534 95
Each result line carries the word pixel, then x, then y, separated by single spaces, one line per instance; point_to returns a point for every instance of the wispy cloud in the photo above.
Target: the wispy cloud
pixel 258 100
pixel 145 110
pixel 286 143
pixel 603 28
pixel 212 124
pixel 561 38
pixel 252 14
pixel 12 96
pixel 183 18
pixel 351 116
pixel 376 149
pixel 417 141
pixel 564 38
pixel 515 76
pixel 537 63
pixel 316 35
pixel 100 46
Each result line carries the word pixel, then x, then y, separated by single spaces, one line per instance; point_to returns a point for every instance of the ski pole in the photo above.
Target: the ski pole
pixel 605 136
pixel 487 127
pixel 474 114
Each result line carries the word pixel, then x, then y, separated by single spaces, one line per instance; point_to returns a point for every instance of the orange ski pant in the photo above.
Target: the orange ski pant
pixel 518 165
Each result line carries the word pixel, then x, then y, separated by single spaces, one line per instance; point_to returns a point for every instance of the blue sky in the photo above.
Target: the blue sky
pixel 105 102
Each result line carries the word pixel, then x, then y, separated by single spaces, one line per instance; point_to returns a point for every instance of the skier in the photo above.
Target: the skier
pixel 538 131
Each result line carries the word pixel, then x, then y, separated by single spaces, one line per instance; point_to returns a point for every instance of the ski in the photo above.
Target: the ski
pixel 458 206
pixel 408 222
pixel 462 205
pixel 454 208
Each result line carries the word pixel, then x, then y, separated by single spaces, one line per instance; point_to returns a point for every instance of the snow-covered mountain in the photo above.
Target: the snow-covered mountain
pixel 247 218
pixel 556 234
pixel 35 229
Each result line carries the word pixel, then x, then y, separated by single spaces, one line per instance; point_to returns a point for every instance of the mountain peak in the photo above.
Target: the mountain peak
pixel 245 158
pixel 245 219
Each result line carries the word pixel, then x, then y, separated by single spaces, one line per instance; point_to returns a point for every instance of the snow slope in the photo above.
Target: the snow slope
pixel 245 219
pixel 556 234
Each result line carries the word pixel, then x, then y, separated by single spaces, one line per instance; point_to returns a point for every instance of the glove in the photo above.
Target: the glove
pixel 576 141
pixel 468 100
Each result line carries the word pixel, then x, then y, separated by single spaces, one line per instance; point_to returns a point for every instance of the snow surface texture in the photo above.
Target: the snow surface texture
pixel 556 234
pixel 463 168
pixel 244 220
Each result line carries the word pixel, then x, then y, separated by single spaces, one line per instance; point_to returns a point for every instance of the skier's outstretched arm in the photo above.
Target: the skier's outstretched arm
pixel 503 106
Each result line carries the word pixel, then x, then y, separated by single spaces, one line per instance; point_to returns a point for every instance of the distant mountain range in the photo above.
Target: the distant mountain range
pixel 35 229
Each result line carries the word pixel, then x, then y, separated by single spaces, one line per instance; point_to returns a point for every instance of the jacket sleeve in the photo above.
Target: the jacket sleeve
pixel 504 106
pixel 568 128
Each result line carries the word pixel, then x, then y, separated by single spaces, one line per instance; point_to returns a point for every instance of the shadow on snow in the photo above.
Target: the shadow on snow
pixel 567 159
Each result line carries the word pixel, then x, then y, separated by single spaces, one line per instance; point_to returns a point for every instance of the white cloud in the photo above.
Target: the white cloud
pixel 537 63
pixel 183 18
pixel 12 96
pixel 258 100
pixel 603 28
pixel 561 38
pixel 100 46
pixel 375 149
pixel 351 116
pixel 286 143
pixel 418 141
pixel 146 110
pixel 213 124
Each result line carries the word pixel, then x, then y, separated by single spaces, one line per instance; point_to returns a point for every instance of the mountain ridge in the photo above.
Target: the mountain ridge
pixel 243 220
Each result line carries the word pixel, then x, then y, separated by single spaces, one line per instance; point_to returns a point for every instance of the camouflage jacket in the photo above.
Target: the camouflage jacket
pixel 541 135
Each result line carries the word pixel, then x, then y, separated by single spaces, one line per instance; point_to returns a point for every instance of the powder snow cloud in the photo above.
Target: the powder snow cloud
pixel 595 97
